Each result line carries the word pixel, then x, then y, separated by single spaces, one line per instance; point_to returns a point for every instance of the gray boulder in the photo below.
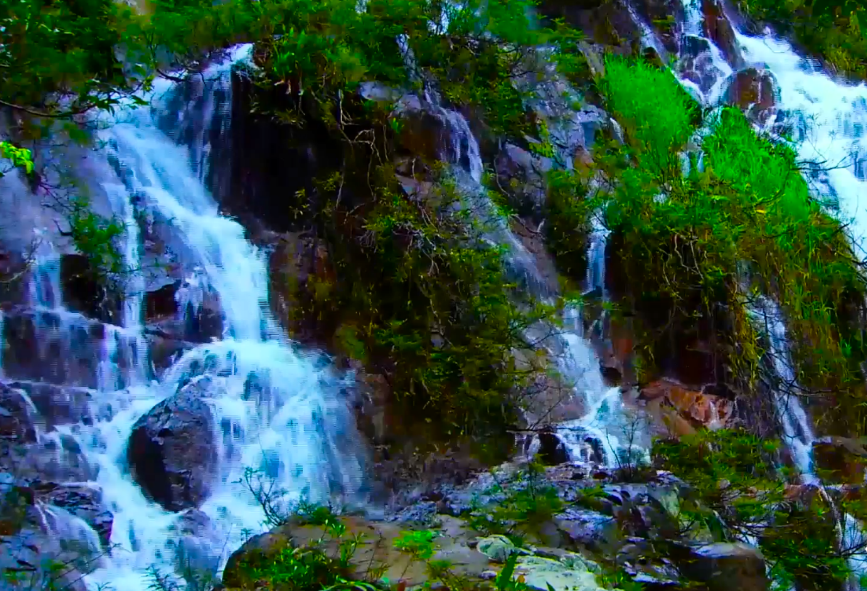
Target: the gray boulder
pixel 172 449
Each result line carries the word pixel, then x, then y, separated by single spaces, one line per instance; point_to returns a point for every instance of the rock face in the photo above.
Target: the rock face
pixel 840 460
pixel 172 449
pixel 36 537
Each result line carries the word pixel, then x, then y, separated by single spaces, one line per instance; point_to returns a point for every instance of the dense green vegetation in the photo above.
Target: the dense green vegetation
pixel 698 246
pixel 833 30
pixel 737 491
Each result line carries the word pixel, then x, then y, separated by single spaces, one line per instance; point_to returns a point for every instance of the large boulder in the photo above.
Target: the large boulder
pixel 374 551
pixel 172 449
pixel 723 566
pixel 840 460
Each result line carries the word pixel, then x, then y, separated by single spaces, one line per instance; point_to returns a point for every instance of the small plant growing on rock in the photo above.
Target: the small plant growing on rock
pixel 517 507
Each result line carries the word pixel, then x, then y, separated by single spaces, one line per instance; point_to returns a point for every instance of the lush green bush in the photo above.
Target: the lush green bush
pixel 690 238
pixel 736 491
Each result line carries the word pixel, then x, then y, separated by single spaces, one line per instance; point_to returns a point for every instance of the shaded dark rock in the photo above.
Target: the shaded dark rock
pixel 163 350
pixel 840 460
pixel 606 22
pixel 58 405
pixel 722 566
pixel 17 500
pixel 172 451
pixel 87 291
pixel 59 348
pixel 81 500
pixel 160 304
pixel 16 416
pixel 552 451
pixel 755 92
pixel 663 17
pixel 13 271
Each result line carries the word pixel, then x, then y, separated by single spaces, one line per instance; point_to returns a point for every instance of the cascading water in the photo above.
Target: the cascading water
pixel 827 118
pixel 797 430
pixel 277 410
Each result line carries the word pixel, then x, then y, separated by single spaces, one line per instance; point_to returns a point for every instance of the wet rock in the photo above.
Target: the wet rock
pixel 17 416
pixel 662 16
pixel 718 29
pixel 83 501
pixel 172 451
pixel 58 405
pixel 587 528
pixel 57 458
pixel 375 548
pixel 552 452
pixel 163 350
pixel 88 291
pixel 42 546
pixel 56 347
pixel 160 304
pixel 755 92
pixel 521 176
pixel 197 549
pixel 840 460
pixel 13 271
pixel 696 63
pixel 722 566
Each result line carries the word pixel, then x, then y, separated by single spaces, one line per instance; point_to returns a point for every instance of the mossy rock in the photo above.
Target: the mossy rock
pixel 375 557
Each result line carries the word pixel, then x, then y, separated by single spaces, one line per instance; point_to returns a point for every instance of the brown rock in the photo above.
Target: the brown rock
pixel 683 409
pixel 755 92
pixel 840 460
pixel 375 548
pixel 723 567
pixel 718 29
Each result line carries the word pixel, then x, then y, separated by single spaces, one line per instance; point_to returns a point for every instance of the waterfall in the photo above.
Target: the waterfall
pixel 797 430
pixel 278 409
